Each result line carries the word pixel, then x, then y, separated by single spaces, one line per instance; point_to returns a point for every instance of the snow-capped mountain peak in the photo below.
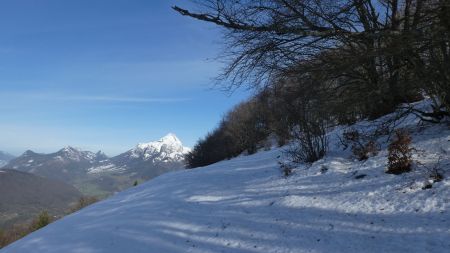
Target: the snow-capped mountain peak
pixel 75 154
pixel 167 149
pixel 167 152
pixel 169 143
pixel 70 149
pixel 170 138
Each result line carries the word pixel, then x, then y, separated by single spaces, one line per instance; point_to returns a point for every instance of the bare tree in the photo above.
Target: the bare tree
pixel 324 62
pixel 364 42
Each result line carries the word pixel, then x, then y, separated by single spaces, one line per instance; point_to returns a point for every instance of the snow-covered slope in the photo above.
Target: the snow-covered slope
pixel 338 204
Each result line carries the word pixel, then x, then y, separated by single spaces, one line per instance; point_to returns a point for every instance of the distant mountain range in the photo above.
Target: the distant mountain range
pixel 24 195
pixel 98 175
pixel 5 158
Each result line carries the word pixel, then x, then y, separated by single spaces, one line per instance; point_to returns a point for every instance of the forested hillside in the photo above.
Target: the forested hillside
pixel 318 64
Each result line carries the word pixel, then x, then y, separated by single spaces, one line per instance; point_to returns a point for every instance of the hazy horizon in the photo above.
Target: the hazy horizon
pixel 94 151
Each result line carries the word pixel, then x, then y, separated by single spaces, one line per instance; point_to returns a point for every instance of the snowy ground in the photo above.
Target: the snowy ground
pixel 246 205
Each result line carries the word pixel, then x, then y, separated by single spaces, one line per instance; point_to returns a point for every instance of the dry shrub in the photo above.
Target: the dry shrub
pixel 310 141
pixel 286 168
pixel 363 152
pixel 400 153
pixel 42 220
pixel 83 202
pixel 361 147
pixel 434 173
pixel 436 176
pixel 307 148
pixel 350 136
pixel 13 234
pixel 19 231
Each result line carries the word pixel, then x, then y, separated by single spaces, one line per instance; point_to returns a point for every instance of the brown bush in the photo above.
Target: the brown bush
pixel 400 152
pixel 361 147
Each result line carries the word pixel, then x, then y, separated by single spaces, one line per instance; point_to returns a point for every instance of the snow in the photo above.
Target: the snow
pixel 168 140
pixel 75 154
pixel 59 158
pixel 105 168
pixel 167 149
pixel 246 205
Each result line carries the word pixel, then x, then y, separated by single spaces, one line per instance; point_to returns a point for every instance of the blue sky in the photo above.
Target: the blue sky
pixel 105 75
